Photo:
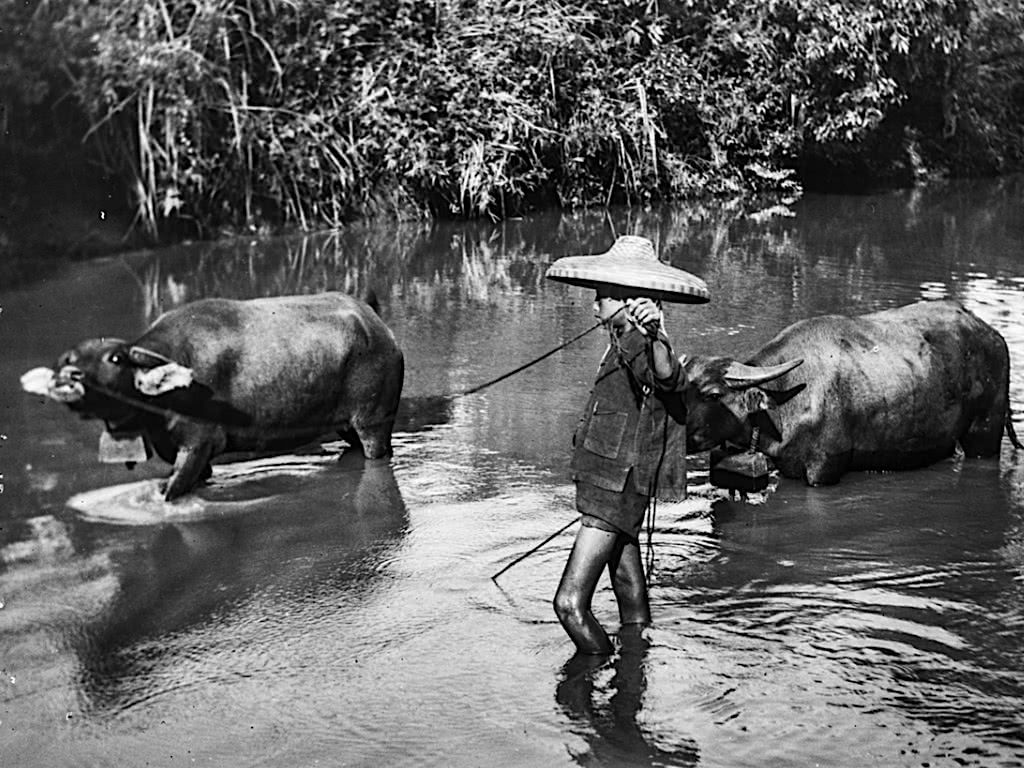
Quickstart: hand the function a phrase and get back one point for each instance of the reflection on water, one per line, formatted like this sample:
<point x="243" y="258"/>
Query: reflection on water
<point x="214" y="576"/>
<point x="608" y="715"/>
<point x="884" y="599"/>
<point x="348" y="615"/>
<point x="851" y="257"/>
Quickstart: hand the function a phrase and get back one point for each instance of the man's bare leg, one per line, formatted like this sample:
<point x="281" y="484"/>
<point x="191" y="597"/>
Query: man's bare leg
<point x="629" y="583"/>
<point x="592" y="550"/>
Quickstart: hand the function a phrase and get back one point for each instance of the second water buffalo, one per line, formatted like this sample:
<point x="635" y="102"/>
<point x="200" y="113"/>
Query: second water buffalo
<point x="895" y="389"/>
<point x="219" y="376"/>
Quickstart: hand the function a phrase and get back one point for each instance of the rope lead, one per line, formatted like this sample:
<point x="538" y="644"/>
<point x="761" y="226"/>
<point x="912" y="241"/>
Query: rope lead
<point x="559" y="348"/>
<point x="240" y="429"/>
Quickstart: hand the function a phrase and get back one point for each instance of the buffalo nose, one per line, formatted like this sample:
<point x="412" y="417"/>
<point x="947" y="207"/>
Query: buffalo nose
<point x="70" y="373"/>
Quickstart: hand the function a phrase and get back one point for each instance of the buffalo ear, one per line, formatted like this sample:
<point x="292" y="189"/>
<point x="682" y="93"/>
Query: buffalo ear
<point x="784" y="396"/>
<point x="162" y="379"/>
<point x="741" y="376"/>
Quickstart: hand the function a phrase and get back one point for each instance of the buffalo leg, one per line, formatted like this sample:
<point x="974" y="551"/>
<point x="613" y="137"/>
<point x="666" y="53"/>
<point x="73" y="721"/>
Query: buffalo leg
<point x="826" y="469"/>
<point x="163" y="446"/>
<point x="191" y="467"/>
<point x="983" y="437"/>
<point x="375" y="439"/>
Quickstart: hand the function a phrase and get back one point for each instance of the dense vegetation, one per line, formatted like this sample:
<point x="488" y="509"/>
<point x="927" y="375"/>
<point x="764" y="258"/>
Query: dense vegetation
<point x="240" y="113"/>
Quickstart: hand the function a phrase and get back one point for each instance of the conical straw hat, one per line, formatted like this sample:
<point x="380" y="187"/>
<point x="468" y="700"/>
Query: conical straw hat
<point x="631" y="263"/>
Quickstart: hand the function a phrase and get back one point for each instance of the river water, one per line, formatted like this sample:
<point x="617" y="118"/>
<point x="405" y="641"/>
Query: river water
<point x="308" y="611"/>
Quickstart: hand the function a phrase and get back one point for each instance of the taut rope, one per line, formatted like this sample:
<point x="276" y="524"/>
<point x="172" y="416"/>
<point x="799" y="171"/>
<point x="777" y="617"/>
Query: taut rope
<point x="238" y="429"/>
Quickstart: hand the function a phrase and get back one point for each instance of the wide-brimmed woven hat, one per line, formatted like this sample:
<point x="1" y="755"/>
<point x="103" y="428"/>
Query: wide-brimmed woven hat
<point x="631" y="263"/>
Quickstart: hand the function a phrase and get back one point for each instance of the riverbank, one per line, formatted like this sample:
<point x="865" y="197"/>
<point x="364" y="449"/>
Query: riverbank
<point x="310" y="116"/>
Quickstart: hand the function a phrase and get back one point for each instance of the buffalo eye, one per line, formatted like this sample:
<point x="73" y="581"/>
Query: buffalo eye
<point x="115" y="358"/>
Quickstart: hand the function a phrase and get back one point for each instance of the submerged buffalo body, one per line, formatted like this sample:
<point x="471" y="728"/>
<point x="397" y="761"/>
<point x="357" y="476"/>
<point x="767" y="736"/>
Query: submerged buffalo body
<point x="895" y="389"/>
<point x="219" y="376"/>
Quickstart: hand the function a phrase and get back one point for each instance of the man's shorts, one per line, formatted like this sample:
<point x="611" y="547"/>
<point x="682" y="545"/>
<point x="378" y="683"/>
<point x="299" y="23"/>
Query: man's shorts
<point x="615" y="511"/>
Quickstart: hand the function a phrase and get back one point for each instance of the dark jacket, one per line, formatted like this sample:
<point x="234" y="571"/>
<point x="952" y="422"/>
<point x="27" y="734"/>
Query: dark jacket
<point x="633" y="422"/>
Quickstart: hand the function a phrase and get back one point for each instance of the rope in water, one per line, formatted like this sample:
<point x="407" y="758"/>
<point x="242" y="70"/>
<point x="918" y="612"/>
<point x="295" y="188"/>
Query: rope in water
<point x="533" y="549"/>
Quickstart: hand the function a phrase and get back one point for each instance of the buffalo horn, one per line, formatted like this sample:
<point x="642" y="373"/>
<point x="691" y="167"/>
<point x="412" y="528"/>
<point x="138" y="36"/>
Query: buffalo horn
<point x="741" y="376"/>
<point x="147" y="358"/>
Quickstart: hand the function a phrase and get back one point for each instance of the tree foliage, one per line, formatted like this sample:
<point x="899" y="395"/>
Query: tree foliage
<point x="243" y="112"/>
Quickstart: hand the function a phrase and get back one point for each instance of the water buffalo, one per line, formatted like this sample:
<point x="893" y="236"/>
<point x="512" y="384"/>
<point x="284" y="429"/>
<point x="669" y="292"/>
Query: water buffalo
<point x="220" y="376"/>
<point x="895" y="389"/>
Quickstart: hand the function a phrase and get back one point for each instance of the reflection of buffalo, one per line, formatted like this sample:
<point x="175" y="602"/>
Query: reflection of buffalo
<point x="895" y="389"/>
<point x="221" y="376"/>
<point x="307" y="547"/>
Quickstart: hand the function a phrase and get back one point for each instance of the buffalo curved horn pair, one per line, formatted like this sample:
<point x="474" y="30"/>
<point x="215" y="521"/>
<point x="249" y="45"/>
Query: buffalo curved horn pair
<point x="742" y="376"/>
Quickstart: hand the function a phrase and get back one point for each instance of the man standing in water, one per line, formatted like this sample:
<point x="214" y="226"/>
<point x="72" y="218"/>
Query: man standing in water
<point x="630" y="445"/>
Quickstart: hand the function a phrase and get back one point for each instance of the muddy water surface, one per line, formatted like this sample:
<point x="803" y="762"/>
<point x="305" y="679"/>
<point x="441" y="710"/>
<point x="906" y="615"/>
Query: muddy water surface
<point x="320" y="612"/>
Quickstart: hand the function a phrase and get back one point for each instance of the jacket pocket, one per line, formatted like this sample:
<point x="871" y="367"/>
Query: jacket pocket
<point x="604" y="435"/>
